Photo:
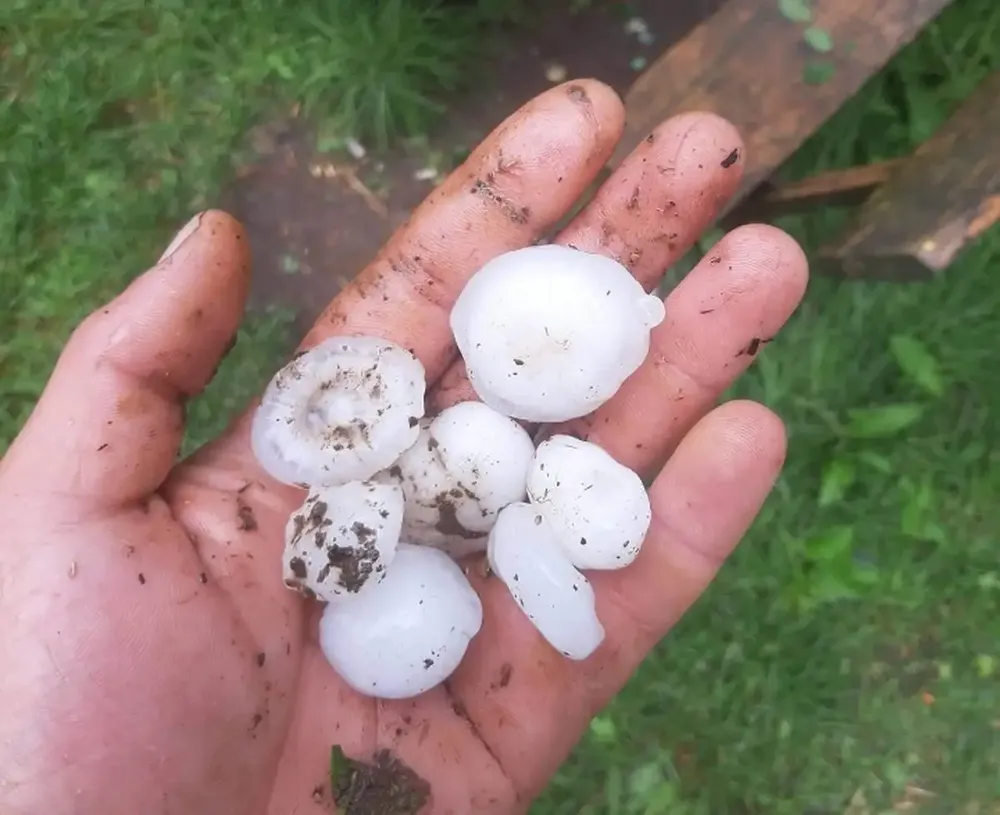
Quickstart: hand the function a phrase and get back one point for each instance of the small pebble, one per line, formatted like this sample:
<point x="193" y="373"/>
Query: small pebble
<point x="356" y="149"/>
<point x="556" y="73"/>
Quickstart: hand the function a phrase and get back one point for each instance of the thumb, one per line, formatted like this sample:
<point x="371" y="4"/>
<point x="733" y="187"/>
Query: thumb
<point x="110" y="421"/>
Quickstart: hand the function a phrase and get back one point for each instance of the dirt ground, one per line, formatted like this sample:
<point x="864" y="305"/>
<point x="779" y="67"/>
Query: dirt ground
<point x="314" y="224"/>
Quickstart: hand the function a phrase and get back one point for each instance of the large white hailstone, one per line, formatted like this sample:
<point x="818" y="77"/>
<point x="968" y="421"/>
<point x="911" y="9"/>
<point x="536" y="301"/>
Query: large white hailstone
<point x="549" y="333"/>
<point x="524" y="553"/>
<point x="340" y="542"/>
<point x="468" y="463"/>
<point x="598" y="508"/>
<point x="409" y="632"/>
<point x="339" y="412"/>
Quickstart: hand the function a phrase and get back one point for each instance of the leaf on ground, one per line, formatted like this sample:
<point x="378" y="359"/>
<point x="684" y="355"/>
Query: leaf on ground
<point x="830" y="543"/>
<point x="985" y="665"/>
<point x="838" y="476"/>
<point x="603" y="728"/>
<point x="818" y="39"/>
<point x="797" y="11"/>
<point x="917" y="363"/>
<point x="883" y="421"/>
<point x="817" y="73"/>
<point x="876" y="461"/>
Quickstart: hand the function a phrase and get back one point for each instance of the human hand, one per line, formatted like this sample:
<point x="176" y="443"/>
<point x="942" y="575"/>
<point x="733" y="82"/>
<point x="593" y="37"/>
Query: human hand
<point x="153" y="660"/>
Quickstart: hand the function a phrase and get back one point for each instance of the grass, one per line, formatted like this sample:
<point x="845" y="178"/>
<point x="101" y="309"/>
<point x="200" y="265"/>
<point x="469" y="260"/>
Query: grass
<point x="848" y="656"/>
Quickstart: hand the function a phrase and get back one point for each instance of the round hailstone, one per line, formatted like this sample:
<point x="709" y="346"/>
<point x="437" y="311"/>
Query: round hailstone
<point x="339" y="412"/>
<point x="549" y="333"/>
<point x="467" y="464"/>
<point x="409" y="632"/>
<point x="342" y="539"/>
<point x="599" y="509"/>
<point x="524" y="553"/>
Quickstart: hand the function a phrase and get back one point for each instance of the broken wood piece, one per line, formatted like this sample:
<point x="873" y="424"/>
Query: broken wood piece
<point x="846" y="187"/>
<point x="750" y="65"/>
<point x="941" y="199"/>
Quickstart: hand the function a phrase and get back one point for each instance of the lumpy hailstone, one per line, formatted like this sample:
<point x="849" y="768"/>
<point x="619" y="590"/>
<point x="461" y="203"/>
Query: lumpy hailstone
<point x="524" y="553"/>
<point x="467" y="464"/>
<point x="549" y="333"/>
<point x="340" y="542"/>
<point x="409" y="632"/>
<point x="339" y="412"/>
<point x="598" y="508"/>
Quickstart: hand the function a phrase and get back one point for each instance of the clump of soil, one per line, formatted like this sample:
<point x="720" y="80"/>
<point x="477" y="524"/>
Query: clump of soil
<point x="386" y="786"/>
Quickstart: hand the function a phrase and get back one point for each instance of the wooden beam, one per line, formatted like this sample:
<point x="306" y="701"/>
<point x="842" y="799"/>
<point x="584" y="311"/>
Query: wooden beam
<point x="833" y="188"/>
<point x="748" y="64"/>
<point x="942" y="198"/>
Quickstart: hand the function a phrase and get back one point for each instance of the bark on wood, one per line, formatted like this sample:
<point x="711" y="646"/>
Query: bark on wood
<point x="939" y="200"/>
<point x="747" y="63"/>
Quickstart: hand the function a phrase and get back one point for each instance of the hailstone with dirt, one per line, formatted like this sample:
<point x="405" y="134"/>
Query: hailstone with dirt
<point x="409" y="632"/>
<point x="339" y="412"/>
<point x="467" y="464"/>
<point x="342" y="539"/>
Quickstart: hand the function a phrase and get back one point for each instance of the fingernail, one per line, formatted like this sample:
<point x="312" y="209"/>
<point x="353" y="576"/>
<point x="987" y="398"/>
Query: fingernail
<point x="186" y="232"/>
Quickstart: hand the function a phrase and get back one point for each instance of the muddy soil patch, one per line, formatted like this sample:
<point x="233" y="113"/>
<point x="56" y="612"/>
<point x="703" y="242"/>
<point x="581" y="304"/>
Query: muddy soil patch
<point x="385" y="786"/>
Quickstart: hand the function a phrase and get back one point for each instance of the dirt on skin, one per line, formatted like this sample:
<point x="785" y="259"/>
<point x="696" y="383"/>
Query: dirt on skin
<point x="315" y="220"/>
<point x="386" y="786"/>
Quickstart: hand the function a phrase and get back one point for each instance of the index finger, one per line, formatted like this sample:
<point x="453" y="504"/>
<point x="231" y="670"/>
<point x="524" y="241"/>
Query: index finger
<point x="512" y="189"/>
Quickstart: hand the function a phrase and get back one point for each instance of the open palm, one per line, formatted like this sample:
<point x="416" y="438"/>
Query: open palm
<point x="153" y="661"/>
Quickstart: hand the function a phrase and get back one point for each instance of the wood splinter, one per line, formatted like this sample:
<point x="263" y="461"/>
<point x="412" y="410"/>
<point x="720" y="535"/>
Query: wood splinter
<point x="846" y="187"/>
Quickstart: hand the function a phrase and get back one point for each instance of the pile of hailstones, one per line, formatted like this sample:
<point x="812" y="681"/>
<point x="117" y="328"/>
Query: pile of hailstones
<point x="548" y="334"/>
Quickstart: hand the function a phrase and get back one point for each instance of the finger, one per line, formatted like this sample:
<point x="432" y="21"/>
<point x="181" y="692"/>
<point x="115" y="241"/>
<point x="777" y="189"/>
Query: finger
<point x="650" y="211"/>
<point x="109" y="423"/>
<point x="718" y="319"/>
<point x="704" y="500"/>
<point x="530" y="703"/>
<point x="517" y="184"/>
<point x="662" y="197"/>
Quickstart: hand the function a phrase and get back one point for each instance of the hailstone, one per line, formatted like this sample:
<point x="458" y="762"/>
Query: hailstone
<point x="342" y="539"/>
<point x="409" y="632"/>
<point x="468" y="463"/>
<point x="339" y="412"/>
<point x="524" y="553"/>
<point x="598" y="508"/>
<point x="549" y="333"/>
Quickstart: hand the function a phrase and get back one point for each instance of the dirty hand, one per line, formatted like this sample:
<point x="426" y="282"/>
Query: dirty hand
<point x="154" y="662"/>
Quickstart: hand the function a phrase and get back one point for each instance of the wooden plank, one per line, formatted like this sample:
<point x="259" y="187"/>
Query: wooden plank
<point x="834" y="188"/>
<point x="941" y="199"/>
<point x="748" y="63"/>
